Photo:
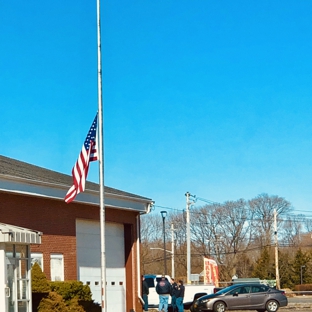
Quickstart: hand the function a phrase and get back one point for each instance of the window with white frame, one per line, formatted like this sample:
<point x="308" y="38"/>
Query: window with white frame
<point x="57" y="267"/>
<point x="37" y="257"/>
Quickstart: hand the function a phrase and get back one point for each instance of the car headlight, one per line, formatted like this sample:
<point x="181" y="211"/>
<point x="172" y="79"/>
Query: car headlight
<point x="204" y="300"/>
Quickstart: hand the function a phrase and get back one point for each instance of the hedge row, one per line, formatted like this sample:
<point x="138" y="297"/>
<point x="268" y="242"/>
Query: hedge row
<point x="69" y="296"/>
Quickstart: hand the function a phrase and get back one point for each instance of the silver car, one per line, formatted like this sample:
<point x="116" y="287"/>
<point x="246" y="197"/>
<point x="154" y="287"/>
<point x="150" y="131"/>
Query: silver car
<point x="242" y="297"/>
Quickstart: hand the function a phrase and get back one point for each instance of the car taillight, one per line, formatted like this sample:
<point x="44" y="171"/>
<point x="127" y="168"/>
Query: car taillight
<point x="283" y="293"/>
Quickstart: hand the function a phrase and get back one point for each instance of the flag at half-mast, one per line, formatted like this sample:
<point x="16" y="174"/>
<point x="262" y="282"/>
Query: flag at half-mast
<point x="80" y="170"/>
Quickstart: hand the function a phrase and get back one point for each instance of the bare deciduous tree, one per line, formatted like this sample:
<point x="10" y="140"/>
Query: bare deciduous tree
<point x="263" y="207"/>
<point x="234" y="233"/>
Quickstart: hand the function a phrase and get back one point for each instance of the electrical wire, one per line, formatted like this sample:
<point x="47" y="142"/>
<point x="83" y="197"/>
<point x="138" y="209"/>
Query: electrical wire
<point x="292" y="217"/>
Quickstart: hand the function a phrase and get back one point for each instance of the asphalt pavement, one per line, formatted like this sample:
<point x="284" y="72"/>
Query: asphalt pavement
<point x="297" y="303"/>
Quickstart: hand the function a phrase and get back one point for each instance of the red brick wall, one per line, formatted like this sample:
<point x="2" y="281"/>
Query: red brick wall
<point x="57" y="221"/>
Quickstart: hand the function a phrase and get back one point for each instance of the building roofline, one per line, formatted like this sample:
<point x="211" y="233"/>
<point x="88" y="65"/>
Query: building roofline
<point x="18" y="171"/>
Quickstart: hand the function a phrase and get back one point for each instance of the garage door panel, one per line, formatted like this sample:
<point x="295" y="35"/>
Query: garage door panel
<point x="88" y="227"/>
<point x="89" y="262"/>
<point x="91" y="241"/>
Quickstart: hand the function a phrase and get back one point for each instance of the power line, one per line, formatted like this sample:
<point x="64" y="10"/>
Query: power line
<point x="206" y="200"/>
<point x="292" y="217"/>
<point x="169" y="208"/>
<point x="158" y="259"/>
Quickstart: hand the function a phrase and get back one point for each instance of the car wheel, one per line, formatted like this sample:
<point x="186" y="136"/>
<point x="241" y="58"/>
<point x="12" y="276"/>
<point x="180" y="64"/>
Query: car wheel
<point x="219" y="306"/>
<point x="272" y="306"/>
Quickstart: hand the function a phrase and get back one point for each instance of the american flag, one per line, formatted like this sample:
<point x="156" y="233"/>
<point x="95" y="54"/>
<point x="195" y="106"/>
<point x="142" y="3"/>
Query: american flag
<point x="81" y="167"/>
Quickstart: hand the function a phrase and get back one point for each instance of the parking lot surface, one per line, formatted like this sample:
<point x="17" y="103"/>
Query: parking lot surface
<point x="298" y="304"/>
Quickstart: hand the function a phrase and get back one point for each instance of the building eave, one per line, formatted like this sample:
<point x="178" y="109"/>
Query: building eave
<point x="24" y="186"/>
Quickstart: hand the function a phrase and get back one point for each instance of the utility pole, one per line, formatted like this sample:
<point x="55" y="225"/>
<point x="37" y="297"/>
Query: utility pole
<point x="172" y="251"/>
<point x="188" y="235"/>
<point x="164" y="214"/>
<point x="278" y="286"/>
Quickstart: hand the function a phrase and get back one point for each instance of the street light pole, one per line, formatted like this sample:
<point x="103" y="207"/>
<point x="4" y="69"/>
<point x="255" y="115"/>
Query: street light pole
<point x="163" y="214"/>
<point x="172" y="251"/>
<point x="303" y="266"/>
<point x="188" y="236"/>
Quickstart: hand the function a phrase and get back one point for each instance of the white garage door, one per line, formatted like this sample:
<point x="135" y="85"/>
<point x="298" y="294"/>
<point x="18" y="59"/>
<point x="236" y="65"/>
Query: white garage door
<point x="89" y="261"/>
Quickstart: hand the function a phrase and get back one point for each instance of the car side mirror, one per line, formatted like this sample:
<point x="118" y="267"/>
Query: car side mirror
<point x="235" y="294"/>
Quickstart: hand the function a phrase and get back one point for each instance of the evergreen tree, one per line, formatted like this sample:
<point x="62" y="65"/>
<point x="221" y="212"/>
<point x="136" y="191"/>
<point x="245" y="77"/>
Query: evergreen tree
<point x="264" y="267"/>
<point x="39" y="282"/>
<point x="301" y="267"/>
<point x="284" y="263"/>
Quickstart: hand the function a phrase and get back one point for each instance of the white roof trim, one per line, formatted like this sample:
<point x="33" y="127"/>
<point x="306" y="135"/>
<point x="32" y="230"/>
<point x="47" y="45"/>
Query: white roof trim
<point x="57" y="191"/>
<point x="14" y="234"/>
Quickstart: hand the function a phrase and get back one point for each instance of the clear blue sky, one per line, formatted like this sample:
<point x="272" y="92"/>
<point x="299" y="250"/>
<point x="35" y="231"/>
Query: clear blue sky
<point x="210" y="97"/>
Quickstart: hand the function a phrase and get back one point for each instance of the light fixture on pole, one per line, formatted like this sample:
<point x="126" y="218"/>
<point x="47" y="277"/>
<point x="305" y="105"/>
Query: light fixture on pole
<point x="164" y="214"/>
<point x="303" y="266"/>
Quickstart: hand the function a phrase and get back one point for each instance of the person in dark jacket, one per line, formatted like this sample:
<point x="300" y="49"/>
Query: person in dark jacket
<point x="173" y="295"/>
<point x="180" y="295"/>
<point x="145" y="293"/>
<point x="163" y="289"/>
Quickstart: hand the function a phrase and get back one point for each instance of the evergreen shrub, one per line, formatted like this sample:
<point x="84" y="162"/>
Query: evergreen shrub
<point x="72" y="290"/>
<point x="75" y="292"/>
<point x="39" y="282"/>
<point x="68" y="296"/>
<point x="55" y="303"/>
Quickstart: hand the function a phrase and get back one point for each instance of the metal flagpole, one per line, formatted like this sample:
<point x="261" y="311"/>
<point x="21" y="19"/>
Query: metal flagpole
<point x="188" y="239"/>
<point x="101" y="164"/>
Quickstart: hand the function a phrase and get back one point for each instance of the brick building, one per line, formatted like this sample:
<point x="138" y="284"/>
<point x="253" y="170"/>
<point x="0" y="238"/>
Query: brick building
<point x="33" y="197"/>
